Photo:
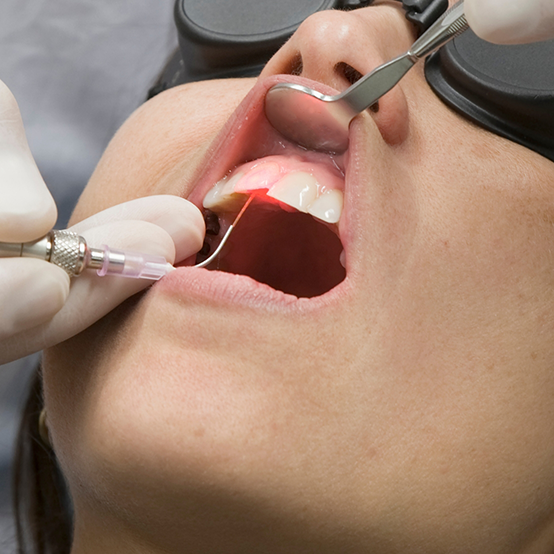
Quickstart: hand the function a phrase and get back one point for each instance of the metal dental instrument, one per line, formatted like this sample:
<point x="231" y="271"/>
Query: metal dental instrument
<point x="216" y="252"/>
<point x="70" y="251"/>
<point x="320" y="122"/>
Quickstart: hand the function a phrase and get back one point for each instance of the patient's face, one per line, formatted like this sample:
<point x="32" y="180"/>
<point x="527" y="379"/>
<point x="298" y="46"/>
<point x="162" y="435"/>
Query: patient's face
<point x="403" y="404"/>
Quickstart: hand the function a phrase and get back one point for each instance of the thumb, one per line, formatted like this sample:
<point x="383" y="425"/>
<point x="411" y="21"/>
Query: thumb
<point x="511" y="22"/>
<point x="27" y="209"/>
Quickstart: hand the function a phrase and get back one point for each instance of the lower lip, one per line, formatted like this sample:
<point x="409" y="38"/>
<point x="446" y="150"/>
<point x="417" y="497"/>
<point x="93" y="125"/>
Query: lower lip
<point x="220" y="289"/>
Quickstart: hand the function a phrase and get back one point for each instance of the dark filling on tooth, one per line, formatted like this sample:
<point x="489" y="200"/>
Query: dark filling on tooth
<point x="212" y="223"/>
<point x="211" y="220"/>
<point x="205" y="250"/>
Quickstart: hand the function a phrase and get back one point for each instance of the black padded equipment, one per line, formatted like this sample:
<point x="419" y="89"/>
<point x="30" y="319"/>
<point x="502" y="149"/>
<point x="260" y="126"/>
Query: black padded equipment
<point x="508" y="90"/>
<point x="236" y="38"/>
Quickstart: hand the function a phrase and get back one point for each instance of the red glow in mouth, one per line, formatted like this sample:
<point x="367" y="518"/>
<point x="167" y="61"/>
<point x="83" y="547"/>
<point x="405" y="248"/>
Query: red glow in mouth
<point x="272" y="245"/>
<point x="287" y="250"/>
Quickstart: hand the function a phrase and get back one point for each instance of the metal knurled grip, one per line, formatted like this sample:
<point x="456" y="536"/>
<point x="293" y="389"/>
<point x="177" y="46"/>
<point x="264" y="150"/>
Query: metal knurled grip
<point x="68" y="252"/>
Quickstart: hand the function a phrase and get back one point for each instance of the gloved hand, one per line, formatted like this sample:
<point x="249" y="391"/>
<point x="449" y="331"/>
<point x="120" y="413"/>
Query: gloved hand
<point x="511" y="21"/>
<point x="39" y="306"/>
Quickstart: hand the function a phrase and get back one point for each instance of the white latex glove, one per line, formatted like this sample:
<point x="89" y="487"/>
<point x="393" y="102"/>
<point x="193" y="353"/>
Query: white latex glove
<point x="39" y="307"/>
<point x="511" y="21"/>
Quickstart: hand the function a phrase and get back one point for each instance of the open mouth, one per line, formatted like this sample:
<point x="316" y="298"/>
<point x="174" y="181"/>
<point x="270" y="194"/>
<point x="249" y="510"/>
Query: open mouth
<point x="288" y="237"/>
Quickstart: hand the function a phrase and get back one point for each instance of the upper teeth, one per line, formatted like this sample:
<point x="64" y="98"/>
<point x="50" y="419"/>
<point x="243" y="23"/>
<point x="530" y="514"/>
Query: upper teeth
<point x="296" y="189"/>
<point x="296" y="183"/>
<point x="222" y="196"/>
<point x="327" y="206"/>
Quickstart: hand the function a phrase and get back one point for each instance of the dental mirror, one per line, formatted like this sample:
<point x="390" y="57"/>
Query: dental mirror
<point x="320" y="122"/>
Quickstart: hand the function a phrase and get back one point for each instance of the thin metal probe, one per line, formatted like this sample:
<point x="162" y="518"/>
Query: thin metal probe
<point x="209" y="260"/>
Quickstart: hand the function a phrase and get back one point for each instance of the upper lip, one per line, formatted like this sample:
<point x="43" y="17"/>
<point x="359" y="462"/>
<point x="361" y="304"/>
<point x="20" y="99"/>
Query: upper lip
<point x="246" y="136"/>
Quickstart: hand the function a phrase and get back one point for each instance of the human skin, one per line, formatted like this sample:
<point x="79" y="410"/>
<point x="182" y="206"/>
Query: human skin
<point x="408" y="410"/>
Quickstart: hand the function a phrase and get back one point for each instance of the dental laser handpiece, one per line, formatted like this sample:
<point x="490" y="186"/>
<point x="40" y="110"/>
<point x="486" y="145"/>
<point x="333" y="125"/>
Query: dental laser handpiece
<point x="71" y="252"/>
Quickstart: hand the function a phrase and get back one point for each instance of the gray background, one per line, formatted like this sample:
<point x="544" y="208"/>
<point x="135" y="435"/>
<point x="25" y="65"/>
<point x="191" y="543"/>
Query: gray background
<point x="78" y="68"/>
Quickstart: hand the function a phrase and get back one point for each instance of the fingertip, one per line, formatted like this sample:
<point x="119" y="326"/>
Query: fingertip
<point x="7" y="99"/>
<point x="183" y="221"/>
<point x="27" y="217"/>
<point x="502" y="22"/>
<point x="478" y="15"/>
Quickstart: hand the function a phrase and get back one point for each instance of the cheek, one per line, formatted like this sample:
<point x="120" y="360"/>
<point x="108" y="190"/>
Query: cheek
<point x="481" y="201"/>
<point x="160" y="148"/>
<point x="427" y="404"/>
<point x="176" y="416"/>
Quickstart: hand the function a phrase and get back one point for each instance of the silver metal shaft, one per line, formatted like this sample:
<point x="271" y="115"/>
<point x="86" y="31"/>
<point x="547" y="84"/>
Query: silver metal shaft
<point x="65" y="249"/>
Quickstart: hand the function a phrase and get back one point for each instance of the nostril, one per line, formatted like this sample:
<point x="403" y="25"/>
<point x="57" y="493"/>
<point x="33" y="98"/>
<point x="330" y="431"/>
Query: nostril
<point x="296" y="65"/>
<point x="348" y="72"/>
<point x="352" y="75"/>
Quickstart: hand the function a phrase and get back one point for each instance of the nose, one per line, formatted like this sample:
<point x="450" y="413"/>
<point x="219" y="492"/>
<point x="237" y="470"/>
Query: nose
<point x="336" y="48"/>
